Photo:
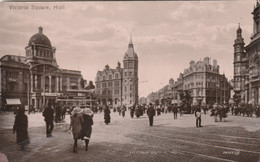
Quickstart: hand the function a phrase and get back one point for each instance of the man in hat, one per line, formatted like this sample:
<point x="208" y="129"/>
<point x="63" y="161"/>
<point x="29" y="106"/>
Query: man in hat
<point x="48" y="117"/>
<point x="151" y="113"/>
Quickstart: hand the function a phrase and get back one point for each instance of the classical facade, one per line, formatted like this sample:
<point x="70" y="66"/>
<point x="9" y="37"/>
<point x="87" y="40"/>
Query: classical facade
<point x="120" y="85"/>
<point x="247" y="69"/>
<point x="202" y="80"/>
<point x="35" y="79"/>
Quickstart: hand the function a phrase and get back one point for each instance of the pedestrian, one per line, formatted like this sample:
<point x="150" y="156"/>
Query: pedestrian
<point x="21" y="128"/>
<point x="76" y="122"/>
<point x="137" y="111"/>
<point x="180" y="110"/>
<point x="123" y="110"/>
<point x="158" y="110"/>
<point x="151" y="113"/>
<point x="57" y="113"/>
<point x="198" y="117"/>
<point x="132" y="111"/>
<point x="175" y="111"/>
<point x="107" y="115"/>
<point x="64" y="110"/>
<point x="48" y="117"/>
<point x="87" y="126"/>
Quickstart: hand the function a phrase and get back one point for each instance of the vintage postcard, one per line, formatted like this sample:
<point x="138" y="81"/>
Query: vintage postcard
<point x="130" y="80"/>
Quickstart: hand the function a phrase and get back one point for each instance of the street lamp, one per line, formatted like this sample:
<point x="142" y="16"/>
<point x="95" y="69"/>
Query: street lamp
<point x="217" y="86"/>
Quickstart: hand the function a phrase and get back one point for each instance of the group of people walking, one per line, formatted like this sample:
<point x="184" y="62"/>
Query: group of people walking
<point x="81" y="122"/>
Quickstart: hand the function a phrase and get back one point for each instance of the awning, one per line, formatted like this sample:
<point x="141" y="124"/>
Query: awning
<point x="13" y="101"/>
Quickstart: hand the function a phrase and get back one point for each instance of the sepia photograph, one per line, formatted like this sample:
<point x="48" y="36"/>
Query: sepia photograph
<point x="130" y="81"/>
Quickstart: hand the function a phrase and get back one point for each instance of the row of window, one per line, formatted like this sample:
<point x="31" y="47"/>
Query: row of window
<point x="110" y="77"/>
<point x="12" y="74"/>
<point x="199" y="76"/>
<point x="109" y="84"/>
<point x="40" y="53"/>
<point x="128" y="64"/>
<point x="200" y="84"/>
<point x="109" y="92"/>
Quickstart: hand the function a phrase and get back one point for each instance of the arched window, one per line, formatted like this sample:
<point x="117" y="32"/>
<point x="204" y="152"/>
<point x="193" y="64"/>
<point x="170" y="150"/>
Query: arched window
<point x="116" y="75"/>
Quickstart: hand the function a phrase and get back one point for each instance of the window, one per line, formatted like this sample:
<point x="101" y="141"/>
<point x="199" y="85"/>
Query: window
<point x="98" y="85"/>
<point x="104" y="77"/>
<point x="116" y="83"/>
<point x="125" y="89"/>
<point x="116" y="75"/>
<point x="104" y="85"/>
<point x="12" y="86"/>
<point x="110" y="77"/>
<point x="130" y="65"/>
<point x="130" y="73"/>
<point x="110" y="84"/>
<point x="131" y="87"/>
<point x="116" y="91"/>
<point x="125" y="64"/>
<point x="125" y="73"/>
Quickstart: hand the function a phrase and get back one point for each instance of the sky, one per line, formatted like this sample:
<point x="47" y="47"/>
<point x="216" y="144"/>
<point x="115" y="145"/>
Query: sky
<point x="166" y="35"/>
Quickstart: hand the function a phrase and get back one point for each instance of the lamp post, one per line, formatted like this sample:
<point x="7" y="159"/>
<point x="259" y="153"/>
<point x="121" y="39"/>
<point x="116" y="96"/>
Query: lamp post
<point x="217" y="86"/>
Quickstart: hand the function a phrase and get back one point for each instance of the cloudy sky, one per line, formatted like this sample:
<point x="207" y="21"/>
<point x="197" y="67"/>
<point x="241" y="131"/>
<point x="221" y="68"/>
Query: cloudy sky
<point x="166" y="35"/>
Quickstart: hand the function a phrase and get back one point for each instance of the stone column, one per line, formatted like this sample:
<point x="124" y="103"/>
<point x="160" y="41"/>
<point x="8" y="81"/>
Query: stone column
<point x="49" y="84"/>
<point x="57" y="84"/>
<point x="79" y="83"/>
<point x="35" y="83"/>
<point x="258" y="95"/>
<point x="60" y="83"/>
<point x="31" y="82"/>
<point x="68" y="83"/>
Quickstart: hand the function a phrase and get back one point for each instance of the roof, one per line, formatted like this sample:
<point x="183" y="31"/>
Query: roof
<point x="130" y="53"/>
<point x="39" y="39"/>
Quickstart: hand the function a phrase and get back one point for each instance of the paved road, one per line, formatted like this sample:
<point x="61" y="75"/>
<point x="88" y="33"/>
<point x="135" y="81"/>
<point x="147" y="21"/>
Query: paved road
<point x="126" y="139"/>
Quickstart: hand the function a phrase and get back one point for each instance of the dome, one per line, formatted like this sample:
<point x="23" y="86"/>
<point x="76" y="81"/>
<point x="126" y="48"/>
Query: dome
<point x="39" y="38"/>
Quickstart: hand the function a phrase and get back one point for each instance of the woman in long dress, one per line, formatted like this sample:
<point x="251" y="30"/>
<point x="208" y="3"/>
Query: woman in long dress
<point x="87" y="125"/>
<point x="107" y="115"/>
<point x="76" y="122"/>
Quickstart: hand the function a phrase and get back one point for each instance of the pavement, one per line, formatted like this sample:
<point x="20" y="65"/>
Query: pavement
<point x="237" y="138"/>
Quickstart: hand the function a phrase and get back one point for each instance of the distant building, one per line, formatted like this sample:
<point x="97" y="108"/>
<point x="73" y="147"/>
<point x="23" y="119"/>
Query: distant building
<point x="35" y="79"/>
<point x="247" y="64"/>
<point x="119" y="86"/>
<point x="205" y="83"/>
<point x="202" y="80"/>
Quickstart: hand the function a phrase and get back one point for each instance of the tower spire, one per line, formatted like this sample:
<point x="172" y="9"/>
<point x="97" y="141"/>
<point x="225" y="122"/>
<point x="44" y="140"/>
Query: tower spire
<point x="131" y="41"/>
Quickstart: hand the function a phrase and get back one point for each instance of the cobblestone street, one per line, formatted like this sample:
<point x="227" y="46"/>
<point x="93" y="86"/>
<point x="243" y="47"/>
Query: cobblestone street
<point x="126" y="139"/>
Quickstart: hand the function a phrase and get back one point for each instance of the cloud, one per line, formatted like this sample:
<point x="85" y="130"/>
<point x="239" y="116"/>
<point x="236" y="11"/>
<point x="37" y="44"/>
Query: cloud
<point x="166" y="35"/>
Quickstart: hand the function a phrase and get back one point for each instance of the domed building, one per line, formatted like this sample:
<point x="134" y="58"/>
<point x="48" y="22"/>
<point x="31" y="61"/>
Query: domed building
<point x="35" y="79"/>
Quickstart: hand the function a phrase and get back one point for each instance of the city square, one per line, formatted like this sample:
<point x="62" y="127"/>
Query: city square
<point x="130" y="81"/>
<point x="127" y="139"/>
